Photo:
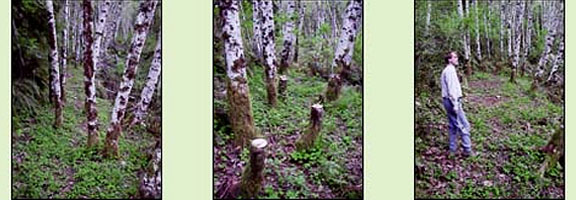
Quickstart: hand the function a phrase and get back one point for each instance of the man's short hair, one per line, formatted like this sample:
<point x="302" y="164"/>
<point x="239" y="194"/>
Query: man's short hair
<point x="448" y="56"/>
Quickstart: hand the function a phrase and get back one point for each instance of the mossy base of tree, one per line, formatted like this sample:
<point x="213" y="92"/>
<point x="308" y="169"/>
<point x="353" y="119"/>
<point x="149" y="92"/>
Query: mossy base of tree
<point x="240" y="110"/>
<point x="111" y="146"/>
<point x="334" y="86"/>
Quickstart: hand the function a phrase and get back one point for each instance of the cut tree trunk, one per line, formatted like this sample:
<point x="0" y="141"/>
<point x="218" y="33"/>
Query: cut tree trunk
<point x="253" y="175"/>
<point x="141" y="28"/>
<point x="308" y="138"/>
<point x="54" y="68"/>
<point x="238" y="92"/>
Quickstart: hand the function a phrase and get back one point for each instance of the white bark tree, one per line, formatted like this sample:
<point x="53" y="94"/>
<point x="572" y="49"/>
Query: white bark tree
<point x="65" y="41"/>
<point x="502" y="22"/>
<point x="54" y="68"/>
<point x="519" y="12"/>
<point x="269" y="51"/>
<point x="238" y="92"/>
<point x="109" y="28"/>
<point x="257" y="29"/>
<point x="464" y="35"/>
<point x="141" y="28"/>
<point x="343" y="53"/>
<point x="89" y="75"/>
<point x="150" y="87"/>
<point x="289" y="38"/>
<point x="478" y="48"/>
<point x="428" y="14"/>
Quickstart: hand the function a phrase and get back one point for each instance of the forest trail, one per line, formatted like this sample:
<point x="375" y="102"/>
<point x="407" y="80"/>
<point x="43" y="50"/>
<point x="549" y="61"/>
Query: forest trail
<point x="508" y="124"/>
<point x="55" y="163"/>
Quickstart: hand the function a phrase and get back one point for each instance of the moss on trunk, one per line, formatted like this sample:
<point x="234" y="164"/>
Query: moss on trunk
<point x="240" y="112"/>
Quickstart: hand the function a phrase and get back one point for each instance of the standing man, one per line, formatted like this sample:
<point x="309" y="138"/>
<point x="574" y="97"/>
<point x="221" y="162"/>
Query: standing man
<point x="452" y="95"/>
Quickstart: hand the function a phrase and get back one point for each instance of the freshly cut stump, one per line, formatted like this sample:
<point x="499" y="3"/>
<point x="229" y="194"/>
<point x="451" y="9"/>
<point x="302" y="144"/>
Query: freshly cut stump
<point x="253" y="176"/>
<point x="309" y="137"/>
<point x="282" y="86"/>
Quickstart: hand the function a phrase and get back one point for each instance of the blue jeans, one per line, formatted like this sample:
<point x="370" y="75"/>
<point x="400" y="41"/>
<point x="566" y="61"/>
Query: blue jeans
<point x="457" y="125"/>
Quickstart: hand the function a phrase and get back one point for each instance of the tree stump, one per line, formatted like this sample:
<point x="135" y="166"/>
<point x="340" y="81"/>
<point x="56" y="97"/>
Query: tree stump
<point x="253" y="176"/>
<point x="333" y="89"/>
<point x="309" y="137"/>
<point x="282" y="86"/>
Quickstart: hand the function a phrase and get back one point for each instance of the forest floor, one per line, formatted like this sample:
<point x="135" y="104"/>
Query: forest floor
<point x="55" y="163"/>
<point x="333" y="169"/>
<point x="508" y="125"/>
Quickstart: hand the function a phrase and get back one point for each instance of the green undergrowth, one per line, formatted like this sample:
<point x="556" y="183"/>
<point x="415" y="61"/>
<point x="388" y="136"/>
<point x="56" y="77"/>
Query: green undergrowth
<point x="508" y="125"/>
<point x="302" y="174"/>
<point x="55" y="163"/>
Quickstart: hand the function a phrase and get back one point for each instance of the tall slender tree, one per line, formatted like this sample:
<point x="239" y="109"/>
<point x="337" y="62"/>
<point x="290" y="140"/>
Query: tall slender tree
<point x="301" y="11"/>
<point x="549" y="24"/>
<point x="89" y="75"/>
<point x="238" y="92"/>
<point x="109" y="28"/>
<point x="517" y="38"/>
<point x="141" y="28"/>
<point x="257" y="29"/>
<point x="269" y="52"/>
<point x="289" y="37"/>
<point x="54" y="68"/>
<point x="150" y="87"/>
<point x="65" y="41"/>
<point x="478" y="47"/>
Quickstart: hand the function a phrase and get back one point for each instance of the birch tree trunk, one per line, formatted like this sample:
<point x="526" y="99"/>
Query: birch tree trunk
<point x="288" y="33"/>
<point x="64" y="51"/>
<point x="269" y="51"/>
<point x="150" y="87"/>
<point x="558" y="26"/>
<point x="342" y="57"/>
<point x="557" y="59"/>
<point x="478" y="48"/>
<point x="517" y="38"/>
<point x="99" y="32"/>
<point x="54" y="68"/>
<point x="502" y="21"/>
<point x="548" y="24"/>
<point x="109" y="28"/>
<point x="465" y="35"/>
<point x="89" y="75"/>
<point x="527" y="36"/>
<point x="257" y="29"/>
<point x="510" y="12"/>
<point x="428" y="13"/>
<point x="141" y="28"/>
<point x="301" y="10"/>
<point x="487" y="29"/>
<point x="238" y="92"/>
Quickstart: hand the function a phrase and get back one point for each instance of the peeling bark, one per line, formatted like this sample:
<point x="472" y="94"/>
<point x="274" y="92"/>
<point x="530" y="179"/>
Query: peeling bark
<point x="253" y="175"/>
<point x="150" y="87"/>
<point x="141" y="28"/>
<point x="269" y="51"/>
<point x="54" y="68"/>
<point x="308" y="138"/>
<point x="238" y="92"/>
